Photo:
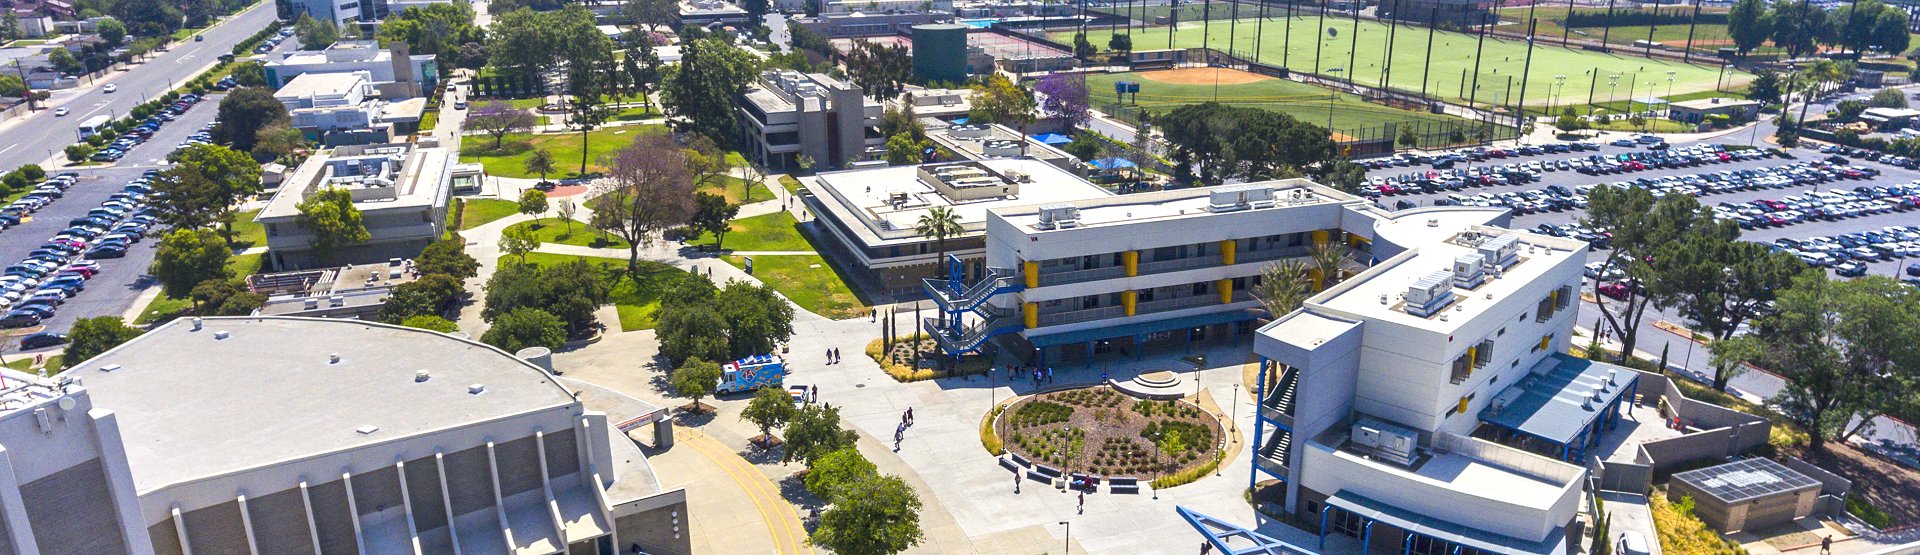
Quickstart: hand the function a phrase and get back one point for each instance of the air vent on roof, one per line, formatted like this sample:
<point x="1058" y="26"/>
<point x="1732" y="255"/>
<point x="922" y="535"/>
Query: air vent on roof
<point x="1058" y="216"/>
<point x="310" y="303"/>
<point x="110" y="368"/>
<point x="333" y="358"/>
<point x="1430" y="294"/>
<point x="476" y="389"/>
<point x="367" y="429"/>
<point x="421" y="376"/>
<point x="222" y="334"/>
<point x="196" y="323"/>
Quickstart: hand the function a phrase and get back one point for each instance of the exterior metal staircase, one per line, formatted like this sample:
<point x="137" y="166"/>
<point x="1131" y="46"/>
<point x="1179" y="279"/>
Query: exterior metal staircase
<point x="951" y="328"/>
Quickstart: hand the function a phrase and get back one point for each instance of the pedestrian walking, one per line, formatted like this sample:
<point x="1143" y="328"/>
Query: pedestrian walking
<point x="909" y="416"/>
<point x="816" y="394"/>
<point x="1826" y="545"/>
<point x="1016" y="482"/>
<point x="1206" y="547"/>
<point x="1082" y="509"/>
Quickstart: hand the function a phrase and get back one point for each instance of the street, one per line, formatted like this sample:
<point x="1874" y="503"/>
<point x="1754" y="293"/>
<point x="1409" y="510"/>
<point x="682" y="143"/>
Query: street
<point x="36" y="137"/>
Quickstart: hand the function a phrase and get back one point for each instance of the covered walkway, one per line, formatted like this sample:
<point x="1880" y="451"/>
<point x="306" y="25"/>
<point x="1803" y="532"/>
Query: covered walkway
<point x="1567" y="402"/>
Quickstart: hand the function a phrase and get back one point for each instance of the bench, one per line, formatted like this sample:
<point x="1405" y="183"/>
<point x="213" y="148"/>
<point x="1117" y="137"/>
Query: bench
<point x="1019" y="460"/>
<point x="1010" y="464"/>
<point x="1123" y="484"/>
<point x="1086" y="482"/>
<point x="1043" y="473"/>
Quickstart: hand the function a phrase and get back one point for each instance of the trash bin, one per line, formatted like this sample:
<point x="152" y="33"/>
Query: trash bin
<point x="663" y="433"/>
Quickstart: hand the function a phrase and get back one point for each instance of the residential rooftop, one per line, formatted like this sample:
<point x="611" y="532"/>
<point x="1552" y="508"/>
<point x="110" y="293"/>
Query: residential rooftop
<point x="880" y="205"/>
<point x="240" y="393"/>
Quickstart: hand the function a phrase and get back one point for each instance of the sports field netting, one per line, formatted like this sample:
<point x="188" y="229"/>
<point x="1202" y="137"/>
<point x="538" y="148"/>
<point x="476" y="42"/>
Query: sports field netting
<point x="1348" y="114"/>
<point x="1443" y="68"/>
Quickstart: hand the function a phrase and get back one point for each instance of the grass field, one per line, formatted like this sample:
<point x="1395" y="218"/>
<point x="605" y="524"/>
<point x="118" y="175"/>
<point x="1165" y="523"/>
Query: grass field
<point x="477" y="212"/>
<point x="777" y="231"/>
<point x="636" y="299"/>
<point x="556" y="230"/>
<point x="1449" y="60"/>
<point x="246" y="232"/>
<point x="510" y="160"/>
<point x="1305" y="102"/>
<point x="809" y="281"/>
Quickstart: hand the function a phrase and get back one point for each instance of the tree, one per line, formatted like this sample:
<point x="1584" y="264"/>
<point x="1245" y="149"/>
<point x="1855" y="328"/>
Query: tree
<point x="279" y="142"/>
<point x="1855" y="26"/>
<point x="652" y="13"/>
<point x="1327" y="258"/>
<point x="224" y="297"/>
<point x="707" y="163"/>
<point x="1000" y="100"/>
<point x="587" y="111"/>
<point x="651" y="192"/>
<point x="112" y="31"/>
<point x="429" y="295"/>
<point x="187" y="257"/>
<point x="78" y="152"/>
<point x="1569" y="124"/>
<point x="1890" y="31"/>
<point x="204" y="186"/>
<point x="517" y="242"/>
<point x="449" y="258"/>
<point x="533" y="202"/>
<point x="1282" y="287"/>
<point x="770" y="408"/>
<point x="939" y="224"/>
<point x="1718" y="284"/>
<point x="1845" y="349"/>
<point x="814" y="432"/>
<point x="882" y="71"/>
<point x="1120" y="43"/>
<point x="315" y="34"/>
<point x="62" y="59"/>
<point x="12" y="86"/>
<point x="332" y="222"/>
<point x="1226" y="141"/>
<point x="1083" y="48"/>
<point x="566" y="209"/>
<point x="1748" y="25"/>
<point x="541" y="162"/>
<point x="876" y="516"/>
<point x="498" y="118"/>
<point x="1084" y="146"/>
<point x="90" y="337"/>
<point x="696" y="379"/>
<point x="712" y="214"/>
<point x="1849" y="110"/>
<point x="1345" y="176"/>
<point x="571" y="291"/>
<point x="439" y="29"/>
<point x="700" y="91"/>
<point x="1797" y="26"/>
<point x="902" y="150"/>
<point x="249" y="74"/>
<point x="431" y="323"/>
<point x="691" y="331"/>
<point x="758" y="319"/>
<point x="146" y="18"/>
<point x="832" y="473"/>
<point x="1767" y="87"/>
<point x="1065" y="97"/>
<point x="1642" y="228"/>
<point x="902" y="121"/>
<point x="244" y="112"/>
<point x="526" y="327"/>
<point x="1888" y="98"/>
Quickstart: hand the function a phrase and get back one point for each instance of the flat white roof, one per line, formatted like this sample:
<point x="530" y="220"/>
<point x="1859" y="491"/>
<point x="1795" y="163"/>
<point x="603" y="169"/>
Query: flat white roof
<point x="313" y="84"/>
<point x="860" y="197"/>
<point x="1179" y="203"/>
<point x="191" y="405"/>
<point x="1435" y="248"/>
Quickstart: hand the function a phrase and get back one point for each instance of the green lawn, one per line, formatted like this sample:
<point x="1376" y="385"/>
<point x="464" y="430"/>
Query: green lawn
<point x="477" y="212"/>
<point x="246" y="232"/>
<point x="528" y="103"/>
<point x="26" y="42"/>
<point x="809" y="281"/>
<point x="792" y="185"/>
<point x="636" y="113"/>
<point x="23" y="362"/>
<point x="243" y="265"/>
<point x="777" y="231"/>
<point x="554" y="230"/>
<point x="162" y="309"/>
<point x="1450" y="59"/>
<point x="184" y="34"/>
<point x="730" y="187"/>
<point x="1302" y="101"/>
<point x="636" y="299"/>
<point x="510" y="159"/>
<point x="429" y="120"/>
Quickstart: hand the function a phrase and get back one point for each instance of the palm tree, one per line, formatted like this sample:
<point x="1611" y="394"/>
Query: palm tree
<point x="1327" y="257"/>
<point x="1283" y="287"/>
<point x="939" y="223"/>
<point x="540" y="162"/>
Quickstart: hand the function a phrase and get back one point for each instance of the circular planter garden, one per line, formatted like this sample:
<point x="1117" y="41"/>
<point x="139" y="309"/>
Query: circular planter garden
<point x="1100" y="431"/>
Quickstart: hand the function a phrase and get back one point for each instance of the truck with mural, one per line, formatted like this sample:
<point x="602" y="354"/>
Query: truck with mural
<point x="751" y="373"/>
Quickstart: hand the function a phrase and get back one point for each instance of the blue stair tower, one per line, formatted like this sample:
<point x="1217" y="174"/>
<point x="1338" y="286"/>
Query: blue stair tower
<point x="950" y="328"/>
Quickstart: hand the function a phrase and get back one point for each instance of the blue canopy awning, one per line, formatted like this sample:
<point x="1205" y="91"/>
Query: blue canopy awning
<point x="1053" y="139"/>
<point x="1114" y="164"/>
<point x="1556" y="400"/>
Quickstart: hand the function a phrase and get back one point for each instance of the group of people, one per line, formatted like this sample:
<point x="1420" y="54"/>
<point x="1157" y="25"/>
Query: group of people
<point x="833" y="355"/>
<point x="900" y="432"/>
<point x="1037" y="374"/>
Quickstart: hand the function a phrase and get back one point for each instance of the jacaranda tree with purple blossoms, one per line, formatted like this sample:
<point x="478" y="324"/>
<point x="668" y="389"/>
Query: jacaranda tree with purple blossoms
<point x="1065" y="96"/>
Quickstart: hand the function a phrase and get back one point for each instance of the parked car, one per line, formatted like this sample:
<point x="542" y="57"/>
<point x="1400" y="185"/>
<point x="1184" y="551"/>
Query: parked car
<point x="43" y="340"/>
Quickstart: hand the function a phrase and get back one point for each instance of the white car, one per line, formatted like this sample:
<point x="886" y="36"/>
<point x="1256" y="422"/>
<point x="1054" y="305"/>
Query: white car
<point x="60" y="112"/>
<point x="110" y="88"/>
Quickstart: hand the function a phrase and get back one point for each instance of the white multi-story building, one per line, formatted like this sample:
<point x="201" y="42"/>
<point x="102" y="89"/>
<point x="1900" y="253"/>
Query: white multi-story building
<point x="304" y="436"/>
<point x="1373" y="394"/>
<point x="401" y="190"/>
<point x="392" y="71"/>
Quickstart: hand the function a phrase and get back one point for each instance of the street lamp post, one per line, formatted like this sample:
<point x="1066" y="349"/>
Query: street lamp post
<point x="1157" y="468"/>
<point x="1068" y="548"/>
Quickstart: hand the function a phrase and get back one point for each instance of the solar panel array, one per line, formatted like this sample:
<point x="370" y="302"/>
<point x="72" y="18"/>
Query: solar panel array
<point x="1746" y="480"/>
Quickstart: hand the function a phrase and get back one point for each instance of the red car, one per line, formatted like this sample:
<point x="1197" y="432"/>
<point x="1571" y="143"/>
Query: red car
<point x="1616" y="291"/>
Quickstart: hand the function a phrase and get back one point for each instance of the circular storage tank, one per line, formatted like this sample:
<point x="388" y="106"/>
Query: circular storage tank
<point x="940" y="52"/>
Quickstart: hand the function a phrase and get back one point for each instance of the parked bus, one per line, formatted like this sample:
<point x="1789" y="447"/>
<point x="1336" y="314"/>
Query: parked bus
<point x="94" y="125"/>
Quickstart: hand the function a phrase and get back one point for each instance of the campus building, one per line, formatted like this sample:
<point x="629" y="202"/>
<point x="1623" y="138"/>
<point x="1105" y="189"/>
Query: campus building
<point x="787" y="114"/>
<point x="401" y="190"/>
<point x="392" y="71"/>
<point x="336" y="109"/>
<point x="1120" y="274"/>
<point x="304" y="436"/>
<point x="1426" y="405"/>
<point x="867" y="216"/>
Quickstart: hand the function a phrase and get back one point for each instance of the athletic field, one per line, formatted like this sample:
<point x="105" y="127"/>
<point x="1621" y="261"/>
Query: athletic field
<point x="1444" y="68"/>
<point x="1165" y="90"/>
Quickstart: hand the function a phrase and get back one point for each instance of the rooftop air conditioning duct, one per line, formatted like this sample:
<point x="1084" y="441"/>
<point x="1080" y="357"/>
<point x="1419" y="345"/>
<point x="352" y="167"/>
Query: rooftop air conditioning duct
<point x="1058" y="216"/>
<point x="1431" y="294"/>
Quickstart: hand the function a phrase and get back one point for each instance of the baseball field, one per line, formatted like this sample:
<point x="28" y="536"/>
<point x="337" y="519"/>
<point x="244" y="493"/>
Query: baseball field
<point x="1443" y="66"/>
<point x="1165" y="90"/>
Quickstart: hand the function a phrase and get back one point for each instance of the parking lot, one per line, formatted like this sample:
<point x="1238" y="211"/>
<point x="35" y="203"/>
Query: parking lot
<point x="120" y="281"/>
<point x="1807" y="227"/>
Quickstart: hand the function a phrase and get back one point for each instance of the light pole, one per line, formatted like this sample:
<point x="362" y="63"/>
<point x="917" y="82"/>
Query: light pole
<point x="1068" y="548"/>
<point x="1613" y="84"/>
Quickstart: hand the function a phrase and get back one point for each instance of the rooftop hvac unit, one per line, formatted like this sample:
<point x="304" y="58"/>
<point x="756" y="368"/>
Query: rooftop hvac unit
<point x="967" y="131"/>
<point x="1469" y="271"/>
<point x="1000" y="147"/>
<point x="1430" y="294"/>
<point x="1385" y="441"/>
<point x="310" y="303"/>
<point x="1058" y="216"/>
<point x="1501" y="252"/>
